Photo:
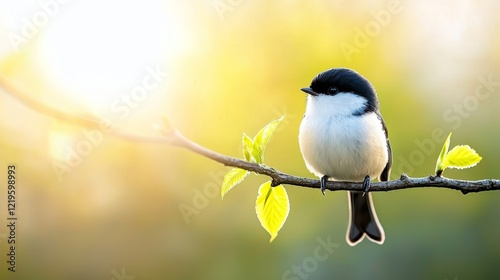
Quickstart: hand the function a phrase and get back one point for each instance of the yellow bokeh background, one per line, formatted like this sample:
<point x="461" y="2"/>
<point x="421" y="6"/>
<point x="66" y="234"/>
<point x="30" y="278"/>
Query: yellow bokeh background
<point x="91" y="205"/>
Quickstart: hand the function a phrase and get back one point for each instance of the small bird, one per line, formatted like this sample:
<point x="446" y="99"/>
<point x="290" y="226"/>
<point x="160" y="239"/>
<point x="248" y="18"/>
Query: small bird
<point x="343" y="137"/>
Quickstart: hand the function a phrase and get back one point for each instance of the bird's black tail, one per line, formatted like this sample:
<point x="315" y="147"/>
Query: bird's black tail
<point x="363" y="220"/>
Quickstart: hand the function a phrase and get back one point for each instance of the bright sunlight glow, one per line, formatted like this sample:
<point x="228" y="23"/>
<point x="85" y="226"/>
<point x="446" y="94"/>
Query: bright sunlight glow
<point x="95" y="58"/>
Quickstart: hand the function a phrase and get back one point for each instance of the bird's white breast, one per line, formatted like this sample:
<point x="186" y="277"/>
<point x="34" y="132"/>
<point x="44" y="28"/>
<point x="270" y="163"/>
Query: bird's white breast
<point x="336" y="143"/>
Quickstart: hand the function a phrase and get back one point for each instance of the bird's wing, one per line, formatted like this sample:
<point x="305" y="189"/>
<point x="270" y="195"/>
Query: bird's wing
<point x="387" y="170"/>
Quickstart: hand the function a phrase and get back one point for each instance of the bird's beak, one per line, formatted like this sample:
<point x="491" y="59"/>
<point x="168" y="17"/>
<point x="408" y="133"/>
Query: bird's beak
<point x="309" y="91"/>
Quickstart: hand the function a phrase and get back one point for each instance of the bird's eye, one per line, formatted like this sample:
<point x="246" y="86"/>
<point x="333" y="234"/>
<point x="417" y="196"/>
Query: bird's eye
<point x="332" y="90"/>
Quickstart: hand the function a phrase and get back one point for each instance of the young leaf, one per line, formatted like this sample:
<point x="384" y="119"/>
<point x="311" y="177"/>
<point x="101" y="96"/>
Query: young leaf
<point x="260" y="140"/>
<point x="460" y="157"/>
<point x="231" y="179"/>
<point x="440" y="160"/>
<point x="167" y="129"/>
<point x="272" y="207"/>
<point x="247" y="147"/>
<point x="167" y="125"/>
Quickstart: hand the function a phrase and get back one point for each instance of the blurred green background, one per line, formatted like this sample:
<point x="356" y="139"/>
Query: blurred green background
<point x="218" y="68"/>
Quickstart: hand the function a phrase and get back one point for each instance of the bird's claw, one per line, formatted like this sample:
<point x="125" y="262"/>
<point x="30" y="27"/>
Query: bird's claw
<point x="323" y="184"/>
<point x="366" y="185"/>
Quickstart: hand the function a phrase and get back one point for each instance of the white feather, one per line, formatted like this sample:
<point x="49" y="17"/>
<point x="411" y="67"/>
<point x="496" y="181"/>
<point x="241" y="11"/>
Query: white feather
<point x="336" y="143"/>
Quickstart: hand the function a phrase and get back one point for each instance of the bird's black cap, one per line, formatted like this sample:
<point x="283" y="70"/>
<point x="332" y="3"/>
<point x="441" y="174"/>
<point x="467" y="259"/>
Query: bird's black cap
<point x="335" y="80"/>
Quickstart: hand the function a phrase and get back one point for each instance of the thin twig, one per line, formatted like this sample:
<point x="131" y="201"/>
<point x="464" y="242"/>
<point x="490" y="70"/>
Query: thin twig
<point x="175" y="138"/>
<point x="280" y="178"/>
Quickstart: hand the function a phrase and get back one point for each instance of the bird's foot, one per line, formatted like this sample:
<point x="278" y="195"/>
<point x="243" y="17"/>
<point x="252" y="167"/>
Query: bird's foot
<point x="323" y="181"/>
<point x="366" y="185"/>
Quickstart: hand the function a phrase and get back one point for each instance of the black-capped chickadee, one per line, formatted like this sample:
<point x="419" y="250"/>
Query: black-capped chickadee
<point x="343" y="137"/>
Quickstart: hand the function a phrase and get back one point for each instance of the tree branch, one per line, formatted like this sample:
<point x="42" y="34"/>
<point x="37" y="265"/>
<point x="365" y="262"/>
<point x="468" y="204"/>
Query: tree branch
<point x="175" y="138"/>
<point x="280" y="178"/>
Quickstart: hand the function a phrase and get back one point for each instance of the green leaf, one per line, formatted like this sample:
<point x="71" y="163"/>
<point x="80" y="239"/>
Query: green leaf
<point x="231" y="179"/>
<point x="272" y="207"/>
<point x="260" y="140"/>
<point x="247" y="147"/>
<point x="440" y="160"/>
<point x="461" y="157"/>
